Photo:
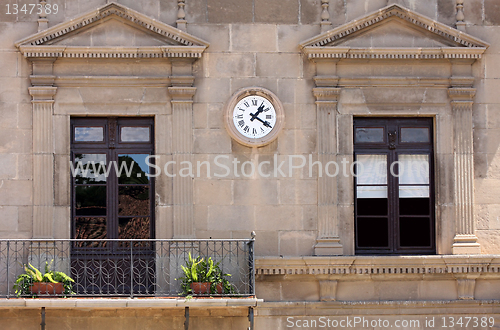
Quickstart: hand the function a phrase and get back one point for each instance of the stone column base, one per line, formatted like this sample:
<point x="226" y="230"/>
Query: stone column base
<point x="328" y="247"/>
<point x="466" y="244"/>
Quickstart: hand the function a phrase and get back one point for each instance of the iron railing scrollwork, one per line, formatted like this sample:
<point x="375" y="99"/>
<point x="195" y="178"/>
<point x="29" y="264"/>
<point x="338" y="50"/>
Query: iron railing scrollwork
<point x="127" y="268"/>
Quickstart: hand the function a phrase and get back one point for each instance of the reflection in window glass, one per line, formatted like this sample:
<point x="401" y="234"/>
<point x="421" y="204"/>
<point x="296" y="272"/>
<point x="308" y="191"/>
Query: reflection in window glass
<point x="371" y="169"/>
<point x="414" y="134"/>
<point x="134" y="168"/>
<point x="136" y="228"/>
<point x="89" y="134"/>
<point x="89" y="168"/>
<point x="133" y="200"/>
<point x="374" y="135"/>
<point x="135" y="134"/>
<point x="413" y="169"/>
<point x="90" y="200"/>
<point x="90" y="228"/>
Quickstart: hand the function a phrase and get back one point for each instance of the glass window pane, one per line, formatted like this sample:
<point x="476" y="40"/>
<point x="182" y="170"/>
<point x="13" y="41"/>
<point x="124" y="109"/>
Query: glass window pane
<point x="372" y="232"/>
<point x="371" y="169"/>
<point x="413" y="169"/>
<point x="89" y="168"/>
<point x="133" y="169"/>
<point x="371" y="206"/>
<point x="90" y="200"/>
<point x="366" y="135"/>
<point x="415" y="134"/>
<point x="134" y="228"/>
<point x="134" y="134"/>
<point x="133" y="200"/>
<point x="413" y="191"/>
<point x="90" y="228"/>
<point x="371" y="192"/>
<point x="414" y="232"/>
<point x="89" y="134"/>
<point x="414" y="206"/>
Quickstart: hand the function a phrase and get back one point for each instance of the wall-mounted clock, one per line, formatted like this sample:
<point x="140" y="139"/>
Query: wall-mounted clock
<point x="254" y="116"/>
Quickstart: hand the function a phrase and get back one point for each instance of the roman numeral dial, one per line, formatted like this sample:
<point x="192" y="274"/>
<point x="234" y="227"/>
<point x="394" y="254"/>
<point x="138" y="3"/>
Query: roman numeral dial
<point x="254" y="116"/>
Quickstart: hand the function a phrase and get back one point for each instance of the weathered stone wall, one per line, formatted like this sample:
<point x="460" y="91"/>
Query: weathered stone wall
<point x="251" y="43"/>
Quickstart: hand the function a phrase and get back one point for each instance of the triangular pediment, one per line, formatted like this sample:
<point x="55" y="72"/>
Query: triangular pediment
<point x="394" y="32"/>
<point x="112" y="31"/>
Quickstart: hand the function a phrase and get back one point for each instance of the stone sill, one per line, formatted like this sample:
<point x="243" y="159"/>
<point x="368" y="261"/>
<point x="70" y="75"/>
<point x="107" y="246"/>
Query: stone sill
<point x="484" y="265"/>
<point x="98" y="303"/>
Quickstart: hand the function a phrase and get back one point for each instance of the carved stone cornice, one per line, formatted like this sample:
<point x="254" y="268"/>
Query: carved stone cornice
<point x="354" y="266"/>
<point x="112" y="52"/>
<point x="327" y="44"/>
<point x="177" y="43"/>
<point x="133" y="17"/>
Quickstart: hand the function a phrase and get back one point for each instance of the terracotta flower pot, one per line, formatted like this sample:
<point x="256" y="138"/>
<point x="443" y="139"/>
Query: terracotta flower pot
<point x="200" y="287"/>
<point x="43" y="288"/>
<point x="219" y="288"/>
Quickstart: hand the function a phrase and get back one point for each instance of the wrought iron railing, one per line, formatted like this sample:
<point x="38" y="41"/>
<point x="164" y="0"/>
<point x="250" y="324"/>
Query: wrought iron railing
<point x="126" y="268"/>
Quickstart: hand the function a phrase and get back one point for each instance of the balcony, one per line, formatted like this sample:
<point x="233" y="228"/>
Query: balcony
<point x="127" y="268"/>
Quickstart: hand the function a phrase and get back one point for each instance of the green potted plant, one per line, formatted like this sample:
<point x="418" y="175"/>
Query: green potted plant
<point x="204" y="277"/>
<point x="33" y="283"/>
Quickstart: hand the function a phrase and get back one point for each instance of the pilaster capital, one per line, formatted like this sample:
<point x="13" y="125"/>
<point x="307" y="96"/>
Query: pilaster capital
<point x="328" y="95"/>
<point x="42" y="94"/>
<point x="182" y="94"/>
<point x="462" y="94"/>
<point x="462" y="98"/>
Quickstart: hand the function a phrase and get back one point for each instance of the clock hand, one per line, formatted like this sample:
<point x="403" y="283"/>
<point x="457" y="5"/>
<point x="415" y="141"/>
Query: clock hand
<point x="266" y="123"/>
<point x="259" y="110"/>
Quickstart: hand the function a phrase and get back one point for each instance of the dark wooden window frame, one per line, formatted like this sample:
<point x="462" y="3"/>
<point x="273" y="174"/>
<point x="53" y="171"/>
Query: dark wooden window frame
<point x="112" y="147"/>
<point x="393" y="147"/>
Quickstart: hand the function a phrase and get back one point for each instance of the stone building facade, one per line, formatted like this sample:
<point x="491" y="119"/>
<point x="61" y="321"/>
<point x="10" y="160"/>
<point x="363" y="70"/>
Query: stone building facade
<point x="339" y="69"/>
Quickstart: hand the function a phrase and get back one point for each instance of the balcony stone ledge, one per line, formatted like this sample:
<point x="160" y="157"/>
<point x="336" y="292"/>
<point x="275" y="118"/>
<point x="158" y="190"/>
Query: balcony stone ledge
<point x="114" y="303"/>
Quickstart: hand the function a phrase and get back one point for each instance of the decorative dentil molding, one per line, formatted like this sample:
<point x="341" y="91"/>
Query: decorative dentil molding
<point x="342" y="266"/>
<point x="324" y="44"/>
<point x="178" y="43"/>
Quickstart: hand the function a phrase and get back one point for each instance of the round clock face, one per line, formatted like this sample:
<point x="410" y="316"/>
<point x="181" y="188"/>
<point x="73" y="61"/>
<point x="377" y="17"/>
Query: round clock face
<point x="254" y="116"/>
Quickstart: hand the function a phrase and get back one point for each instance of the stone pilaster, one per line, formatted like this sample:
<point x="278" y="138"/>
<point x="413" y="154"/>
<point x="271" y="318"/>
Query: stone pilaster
<point x="43" y="161"/>
<point x="465" y="240"/>
<point x="182" y="148"/>
<point x="328" y="241"/>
